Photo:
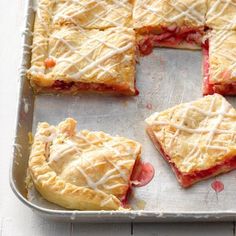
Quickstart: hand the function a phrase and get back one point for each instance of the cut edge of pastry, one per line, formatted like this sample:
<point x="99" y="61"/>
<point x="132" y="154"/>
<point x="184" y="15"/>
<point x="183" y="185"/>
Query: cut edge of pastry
<point x="74" y="88"/>
<point x="50" y="185"/>
<point x="210" y="86"/>
<point x="40" y="38"/>
<point x="170" y="37"/>
<point x="188" y="179"/>
<point x="69" y="17"/>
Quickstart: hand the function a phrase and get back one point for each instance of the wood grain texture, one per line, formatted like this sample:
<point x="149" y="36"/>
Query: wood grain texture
<point x="180" y="229"/>
<point x="84" y="229"/>
<point x="15" y="218"/>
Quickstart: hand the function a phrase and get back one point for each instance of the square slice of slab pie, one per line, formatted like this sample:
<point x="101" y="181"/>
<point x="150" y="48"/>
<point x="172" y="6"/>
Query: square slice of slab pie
<point x="70" y="60"/>
<point x="220" y="63"/>
<point x="169" y="23"/>
<point x="221" y="14"/>
<point x="82" y="170"/>
<point x="87" y="14"/>
<point x="93" y="14"/>
<point x="197" y="139"/>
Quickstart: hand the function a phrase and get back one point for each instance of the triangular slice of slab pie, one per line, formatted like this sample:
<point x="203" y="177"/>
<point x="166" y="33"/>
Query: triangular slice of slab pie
<point x="197" y="139"/>
<point x="82" y="170"/>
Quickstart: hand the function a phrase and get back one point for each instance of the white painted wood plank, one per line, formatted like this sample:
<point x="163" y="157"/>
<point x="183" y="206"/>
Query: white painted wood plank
<point x="184" y="229"/>
<point x="15" y="218"/>
<point x="84" y="229"/>
<point x="23" y="226"/>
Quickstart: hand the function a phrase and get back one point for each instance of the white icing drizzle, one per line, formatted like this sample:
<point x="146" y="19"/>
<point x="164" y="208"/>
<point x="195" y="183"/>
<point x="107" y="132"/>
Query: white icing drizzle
<point x="207" y="132"/>
<point x="180" y="9"/>
<point x="70" y="9"/>
<point x="217" y="10"/>
<point x="63" y="150"/>
<point x="196" y="151"/>
<point x="185" y="113"/>
<point x="74" y="50"/>
<point x="225" y="55"/>
<point x="42" y="37"/>
<point x="106" y="201"/>
<point x="189" y="130"/>
<point x="77" y="151"/>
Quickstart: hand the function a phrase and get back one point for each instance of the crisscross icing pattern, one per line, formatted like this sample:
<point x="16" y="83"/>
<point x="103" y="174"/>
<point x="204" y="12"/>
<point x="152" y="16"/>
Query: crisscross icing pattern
<point x="168" y="12"/>
<point x="222" y="54"/>
<point x="93" y="160"/>
<point x="91" y="14"/>
<point x="40" y="36"/>
<point x="221" y="14"/>
<point x="93" y="59"/>
<point x="92" y="56"/>
<point x="197" y="135"/>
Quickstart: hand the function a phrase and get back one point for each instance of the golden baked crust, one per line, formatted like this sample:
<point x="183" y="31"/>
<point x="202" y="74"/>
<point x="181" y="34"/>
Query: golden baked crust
<point x="93" y="14"/>
<point x="84" y="56"/>
<point x="84" y="170"/>
<point x="41" y="33"/>
<point x="165" y="13"/>
<point x="198" y="135"/>
<point x="222" y="55"/>
<point x="221" y="14"/>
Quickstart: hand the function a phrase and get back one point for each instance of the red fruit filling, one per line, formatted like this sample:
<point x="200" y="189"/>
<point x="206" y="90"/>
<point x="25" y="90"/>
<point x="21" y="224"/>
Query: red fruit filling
<point x="143" y="173"/>
<point x="188" y="179"/>
<point x="79" y="86"/>
<point x="171" y="37"/>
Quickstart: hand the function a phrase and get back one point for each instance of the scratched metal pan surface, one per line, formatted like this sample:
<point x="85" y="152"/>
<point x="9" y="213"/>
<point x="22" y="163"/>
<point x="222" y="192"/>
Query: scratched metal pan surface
<point x="165" y="78"/>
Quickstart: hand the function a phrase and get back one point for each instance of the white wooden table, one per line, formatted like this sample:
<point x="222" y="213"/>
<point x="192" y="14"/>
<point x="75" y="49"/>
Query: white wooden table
<point x="15" y="218"/>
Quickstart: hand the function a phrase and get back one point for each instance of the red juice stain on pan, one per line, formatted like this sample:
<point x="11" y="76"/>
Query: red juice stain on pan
<point x="218" y="186"/>
<point x="149" y="106"/>
<point x="143" y="174"/>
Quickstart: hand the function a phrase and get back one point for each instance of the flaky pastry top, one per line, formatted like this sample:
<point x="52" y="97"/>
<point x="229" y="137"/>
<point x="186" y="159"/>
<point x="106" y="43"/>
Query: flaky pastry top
<point x="196" y="135"/>
<point x="222" y="55"/>
<point x="82" y="170"/>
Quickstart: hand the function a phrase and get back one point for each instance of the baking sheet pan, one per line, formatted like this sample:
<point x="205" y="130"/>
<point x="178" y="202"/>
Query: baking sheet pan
<point x="164" y="78"/>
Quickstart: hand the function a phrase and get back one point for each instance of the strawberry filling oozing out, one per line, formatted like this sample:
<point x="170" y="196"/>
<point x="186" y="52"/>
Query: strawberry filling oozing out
<point x="170" y="37"/>
<point x="141" y="175"/>
<point x="188" y="179"/>
<point x="63" y="86"/>
<point x="209" y="88"/>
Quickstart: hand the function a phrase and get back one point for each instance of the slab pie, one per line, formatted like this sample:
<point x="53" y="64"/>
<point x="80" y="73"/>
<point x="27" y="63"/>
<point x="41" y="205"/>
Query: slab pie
<point x="219" y="57"/>
<point x="71" y="60"/>
<point x="82" y="170"/>
<point x="197" y="139"/>
<point x="221" y="14"/>
<point x="87" y="14"/>
<point x="169" y="23"/>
